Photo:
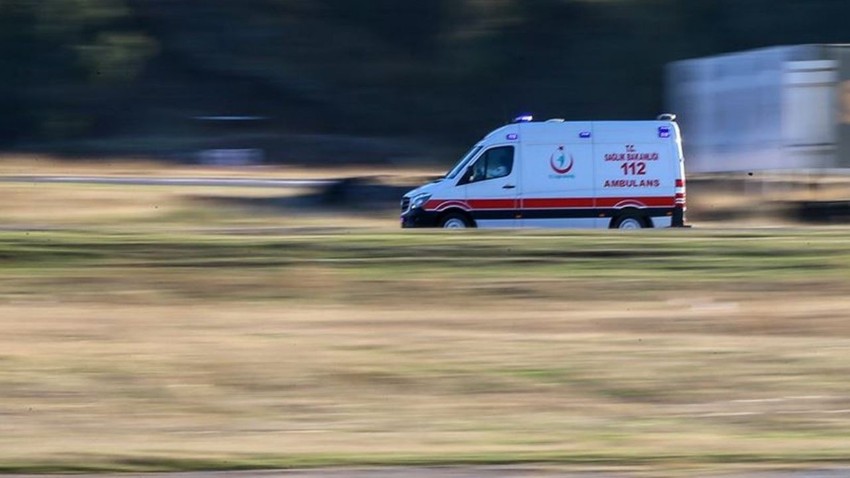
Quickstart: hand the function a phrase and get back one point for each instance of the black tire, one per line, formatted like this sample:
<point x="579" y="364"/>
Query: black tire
<point x="455" y="220"/>
<point x="628" y="221"/>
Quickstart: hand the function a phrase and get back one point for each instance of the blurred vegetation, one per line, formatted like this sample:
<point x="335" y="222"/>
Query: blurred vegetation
<point x="136" y="72"/>
<point x="186" y="349"/>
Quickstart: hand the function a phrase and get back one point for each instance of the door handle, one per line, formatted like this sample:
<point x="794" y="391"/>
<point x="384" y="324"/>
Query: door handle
<point x="508" y="186"/>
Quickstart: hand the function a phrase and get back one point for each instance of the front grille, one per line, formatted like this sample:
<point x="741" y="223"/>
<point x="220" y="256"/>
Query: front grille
<point x="405" y="203"/>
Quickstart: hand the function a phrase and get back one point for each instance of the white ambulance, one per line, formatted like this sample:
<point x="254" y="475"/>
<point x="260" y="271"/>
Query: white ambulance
<point x="556" y="173"/>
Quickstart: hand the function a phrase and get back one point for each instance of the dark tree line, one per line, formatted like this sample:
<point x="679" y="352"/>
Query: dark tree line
<point x="442" y="69"/>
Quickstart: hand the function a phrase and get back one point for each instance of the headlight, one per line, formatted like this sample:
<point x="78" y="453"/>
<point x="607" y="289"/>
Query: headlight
<point x="419" y="201"/>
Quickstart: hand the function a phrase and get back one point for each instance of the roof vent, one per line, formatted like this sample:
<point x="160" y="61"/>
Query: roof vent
<point x="555" y="120"/>
<point x="667" y="117"/>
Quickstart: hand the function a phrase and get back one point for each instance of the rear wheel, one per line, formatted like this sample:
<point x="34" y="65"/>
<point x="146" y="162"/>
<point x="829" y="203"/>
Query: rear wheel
<point x="628" y="221"/>
<point x="455" y="221"/>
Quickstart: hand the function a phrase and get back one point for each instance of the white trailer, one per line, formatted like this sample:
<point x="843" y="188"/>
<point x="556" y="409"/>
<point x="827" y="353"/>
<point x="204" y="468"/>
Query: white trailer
<point x="772" y="109"/>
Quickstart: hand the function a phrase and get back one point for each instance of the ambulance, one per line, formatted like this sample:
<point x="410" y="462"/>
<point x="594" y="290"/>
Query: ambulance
<point x="556" y="174"/>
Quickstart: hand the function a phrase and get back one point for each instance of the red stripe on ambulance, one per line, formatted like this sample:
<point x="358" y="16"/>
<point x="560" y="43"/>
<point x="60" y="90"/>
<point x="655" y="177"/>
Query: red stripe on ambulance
<point x="557" y="203"/>
<point x="552" y="203"/>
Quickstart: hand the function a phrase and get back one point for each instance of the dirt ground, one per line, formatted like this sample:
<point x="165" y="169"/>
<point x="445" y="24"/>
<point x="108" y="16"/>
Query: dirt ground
<point x="489" y="472"/>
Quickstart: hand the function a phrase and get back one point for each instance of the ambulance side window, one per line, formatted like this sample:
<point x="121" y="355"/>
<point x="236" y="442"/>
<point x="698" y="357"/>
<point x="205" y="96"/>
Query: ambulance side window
<point x="495" y="163"/>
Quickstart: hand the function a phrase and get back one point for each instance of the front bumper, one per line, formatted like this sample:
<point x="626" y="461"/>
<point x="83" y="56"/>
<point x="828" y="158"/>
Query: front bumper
<point x="418" y="217"/>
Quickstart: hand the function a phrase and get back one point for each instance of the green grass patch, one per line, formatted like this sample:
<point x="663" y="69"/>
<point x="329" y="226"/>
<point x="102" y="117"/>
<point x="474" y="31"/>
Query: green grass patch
<point x="659" y="258"/>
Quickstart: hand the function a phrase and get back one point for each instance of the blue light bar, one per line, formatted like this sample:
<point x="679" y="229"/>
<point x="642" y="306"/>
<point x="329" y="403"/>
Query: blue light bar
<point x="512" y="137"/>
<point x="523" y="119"/>
<point x="584" y="134"/>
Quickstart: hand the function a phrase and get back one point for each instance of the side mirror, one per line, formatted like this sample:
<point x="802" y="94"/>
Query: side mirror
<point x="467" y="176"/>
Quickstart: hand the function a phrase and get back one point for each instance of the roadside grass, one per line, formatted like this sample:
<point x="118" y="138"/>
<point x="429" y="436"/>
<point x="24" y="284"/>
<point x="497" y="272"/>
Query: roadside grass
<point x="134" y="209"/>
<point x="144" y="330"/>
<point x="374" y="265"/>
<point x="183" y="350"/>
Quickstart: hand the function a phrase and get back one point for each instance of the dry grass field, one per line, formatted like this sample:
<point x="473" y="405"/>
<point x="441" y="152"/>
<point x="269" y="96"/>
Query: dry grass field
<point x="174" y="328"/>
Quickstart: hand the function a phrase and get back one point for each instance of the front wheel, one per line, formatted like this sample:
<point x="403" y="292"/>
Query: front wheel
<point x="454" y="221"/>
<point x="628" y="222"/>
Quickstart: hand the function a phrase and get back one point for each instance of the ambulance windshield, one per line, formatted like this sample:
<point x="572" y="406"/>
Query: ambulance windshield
<point x="461" y="165"/>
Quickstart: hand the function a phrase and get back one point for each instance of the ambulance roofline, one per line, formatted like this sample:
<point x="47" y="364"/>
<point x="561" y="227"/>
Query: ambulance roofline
<point x="502" y="134"/>
<point x="513" y="133"/>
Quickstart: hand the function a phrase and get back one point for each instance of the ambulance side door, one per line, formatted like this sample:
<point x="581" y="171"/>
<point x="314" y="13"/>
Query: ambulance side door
<point x="557" y="189"/>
